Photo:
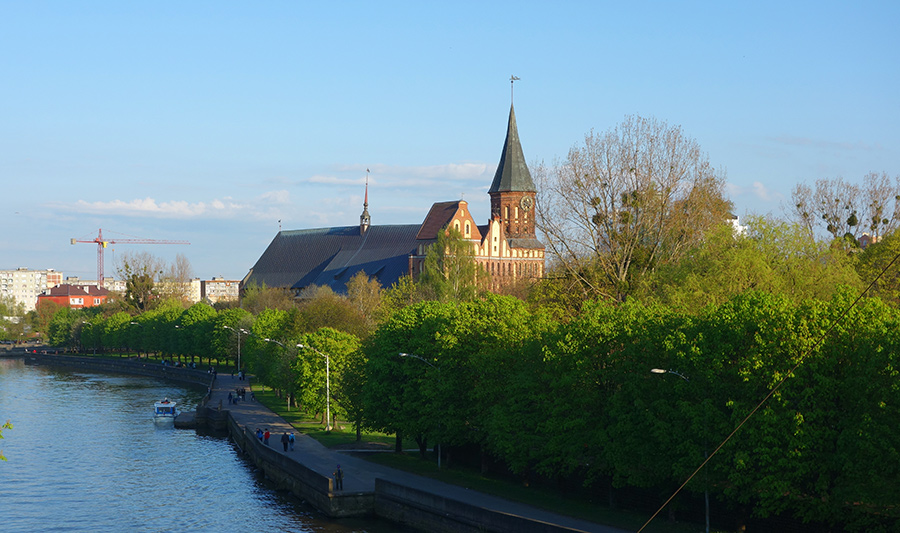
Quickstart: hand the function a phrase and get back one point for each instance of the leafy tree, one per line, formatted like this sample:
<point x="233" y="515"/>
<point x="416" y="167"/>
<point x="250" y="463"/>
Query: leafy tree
<point x="197" y="323"/>
<point x="876" y="266"/>
<point x="310" y="371"/>
<point x="60" y="329"/>
<point x="321" y="307"/>
<point x="771" y="256"/>
<point x="627" y="201"/>
<point x="43" y="313"/>
<point x="364" y="294"/>
<point x="401" y="294"/>
<point x="450" y="272"/>
<point x="266" y="359"/>
<point x="115" y="331"/>
<point x="257" y="298"/>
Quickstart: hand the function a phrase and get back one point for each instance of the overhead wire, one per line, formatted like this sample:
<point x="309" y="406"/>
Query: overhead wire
<point x="771" y="392"/>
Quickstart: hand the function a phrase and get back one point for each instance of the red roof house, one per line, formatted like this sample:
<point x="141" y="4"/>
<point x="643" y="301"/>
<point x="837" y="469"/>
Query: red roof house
<point x="75" y="297"/>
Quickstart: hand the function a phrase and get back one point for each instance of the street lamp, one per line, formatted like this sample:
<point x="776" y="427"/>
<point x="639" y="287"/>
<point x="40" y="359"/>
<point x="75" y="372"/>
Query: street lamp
<point x="327" y="384"/>
<point x="238" y="331"/>
<point x="427" y="362"/>
<point x="705" y="451"/>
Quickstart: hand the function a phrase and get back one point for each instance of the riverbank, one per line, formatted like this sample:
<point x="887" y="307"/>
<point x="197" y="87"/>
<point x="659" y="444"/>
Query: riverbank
<point x="369" y="489"/>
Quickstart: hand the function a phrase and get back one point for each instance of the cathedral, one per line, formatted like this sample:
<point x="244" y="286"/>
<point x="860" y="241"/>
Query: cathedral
<point x="506" y="247"/>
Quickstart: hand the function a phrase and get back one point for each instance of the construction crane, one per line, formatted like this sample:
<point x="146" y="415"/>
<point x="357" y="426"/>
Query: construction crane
<point x="102" y="243"/>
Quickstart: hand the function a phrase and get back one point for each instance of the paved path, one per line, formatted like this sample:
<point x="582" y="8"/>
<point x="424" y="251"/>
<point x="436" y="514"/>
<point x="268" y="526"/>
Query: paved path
<point x="359" y="474"/>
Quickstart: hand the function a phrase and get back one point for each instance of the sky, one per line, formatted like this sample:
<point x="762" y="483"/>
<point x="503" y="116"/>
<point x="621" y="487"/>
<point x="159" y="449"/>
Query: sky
<point x="218" y="123"/>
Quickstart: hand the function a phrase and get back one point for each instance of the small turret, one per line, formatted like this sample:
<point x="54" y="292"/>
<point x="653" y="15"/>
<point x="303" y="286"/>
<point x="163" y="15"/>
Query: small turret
<point x="364" y="220"/>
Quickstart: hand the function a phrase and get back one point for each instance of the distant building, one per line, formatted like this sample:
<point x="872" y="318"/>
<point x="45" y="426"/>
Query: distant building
<point x="865" y="240"/>
<point x="735" y="222"/>
<point x="74" y="297"/>
<point x="114" y="285"/>
<point x="220" y="290"/>
<point x="24" y="285"/>
<point x="506" y="246"/>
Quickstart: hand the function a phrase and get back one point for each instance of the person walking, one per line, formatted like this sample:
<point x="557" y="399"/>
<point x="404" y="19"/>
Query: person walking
<point x="284" y="441"/>
<point x="291" y="441"/>
<point x="338" y="478"/>
<point x="266" y="436"/>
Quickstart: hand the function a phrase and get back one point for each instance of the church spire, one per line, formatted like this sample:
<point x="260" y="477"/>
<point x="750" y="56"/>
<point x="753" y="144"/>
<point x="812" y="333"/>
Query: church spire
<point x="364" y="220"/>
<point x="512" y="172"/>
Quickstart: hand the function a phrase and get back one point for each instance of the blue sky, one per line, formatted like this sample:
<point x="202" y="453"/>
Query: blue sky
<point x="211" y="121"/>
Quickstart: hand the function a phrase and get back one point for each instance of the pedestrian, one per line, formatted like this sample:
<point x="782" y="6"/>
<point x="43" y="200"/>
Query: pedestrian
<point x="291" y="441"/>
<point x="230" y="399"/>
<point x="284" y="441"/>
<point x="259" y="434"/>
<point x="266" y="436"/>
<point x="338" y="478"/>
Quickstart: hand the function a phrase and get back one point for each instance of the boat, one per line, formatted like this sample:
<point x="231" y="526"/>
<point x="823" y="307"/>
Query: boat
<point x="164" y="409"/>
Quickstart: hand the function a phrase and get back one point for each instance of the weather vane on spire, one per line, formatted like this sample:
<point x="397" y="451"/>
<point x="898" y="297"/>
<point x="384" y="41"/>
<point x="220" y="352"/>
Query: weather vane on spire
<point x="512" y="80"/>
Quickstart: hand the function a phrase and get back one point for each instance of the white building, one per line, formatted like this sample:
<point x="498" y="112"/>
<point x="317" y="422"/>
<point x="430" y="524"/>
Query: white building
<point x="220" y="290"/>
<point x="24" y="285"/>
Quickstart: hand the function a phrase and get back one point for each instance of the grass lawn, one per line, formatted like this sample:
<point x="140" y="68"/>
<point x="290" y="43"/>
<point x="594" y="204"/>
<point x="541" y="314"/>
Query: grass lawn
<point x="547" y="498"/>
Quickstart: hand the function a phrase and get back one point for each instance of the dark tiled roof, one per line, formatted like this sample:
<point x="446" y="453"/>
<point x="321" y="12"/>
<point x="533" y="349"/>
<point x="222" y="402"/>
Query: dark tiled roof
<point x="331" y="256"/>
<point x="512" y="172"/>
<point x="439" y="217"/>
<point x="66" y="290"/>
<point x="94" y="290"/>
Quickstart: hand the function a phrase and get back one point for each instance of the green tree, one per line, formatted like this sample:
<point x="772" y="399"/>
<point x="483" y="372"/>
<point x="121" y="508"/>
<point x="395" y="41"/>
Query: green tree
<point x="876" y="266"/>
<point x="450" y="272"/>
<point x="771" y="256"/>
<point x="257" y="298"/>
<point x="365" y="294"/>
<point x="336" y="348"/>
<point x="196" y="332"/>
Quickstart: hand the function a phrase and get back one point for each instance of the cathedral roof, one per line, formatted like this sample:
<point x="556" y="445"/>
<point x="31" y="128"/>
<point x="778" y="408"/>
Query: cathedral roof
<point x="331" y="256"/>
<point x="512" y="172"/>
<point x="438" y="218"/>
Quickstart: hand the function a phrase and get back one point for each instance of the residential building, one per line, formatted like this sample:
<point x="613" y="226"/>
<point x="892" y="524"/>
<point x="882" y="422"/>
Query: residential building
<point x="75" y="297"/>
<point x="24" y="285"/>
<point x="220" y="290"/>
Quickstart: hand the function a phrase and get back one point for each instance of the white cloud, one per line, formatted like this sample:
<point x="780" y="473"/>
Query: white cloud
<point x="764" y="193"/>
<point x="262" y="207"/>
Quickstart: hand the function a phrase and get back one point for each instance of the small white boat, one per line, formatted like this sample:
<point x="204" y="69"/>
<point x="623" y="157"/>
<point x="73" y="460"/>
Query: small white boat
<point x="165" y="410"/>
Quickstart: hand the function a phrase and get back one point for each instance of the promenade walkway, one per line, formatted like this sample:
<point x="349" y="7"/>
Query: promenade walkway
<point x="359" y="474"/>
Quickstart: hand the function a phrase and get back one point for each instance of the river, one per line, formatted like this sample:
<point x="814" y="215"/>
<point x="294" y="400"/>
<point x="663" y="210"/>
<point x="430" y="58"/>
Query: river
<point x="86" y="455"/>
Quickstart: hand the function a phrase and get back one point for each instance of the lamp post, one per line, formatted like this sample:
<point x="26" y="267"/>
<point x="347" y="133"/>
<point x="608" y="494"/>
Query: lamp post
<point x="138" y="324"/>
<point x="238" y="331"/>
<point x="705" y="451"/>
<point x="427" y="362"/>
<point x="327" y="384"/>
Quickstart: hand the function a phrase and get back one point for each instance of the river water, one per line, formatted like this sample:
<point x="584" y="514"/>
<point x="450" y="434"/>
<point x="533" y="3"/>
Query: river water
<point x="86" y="455"/>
